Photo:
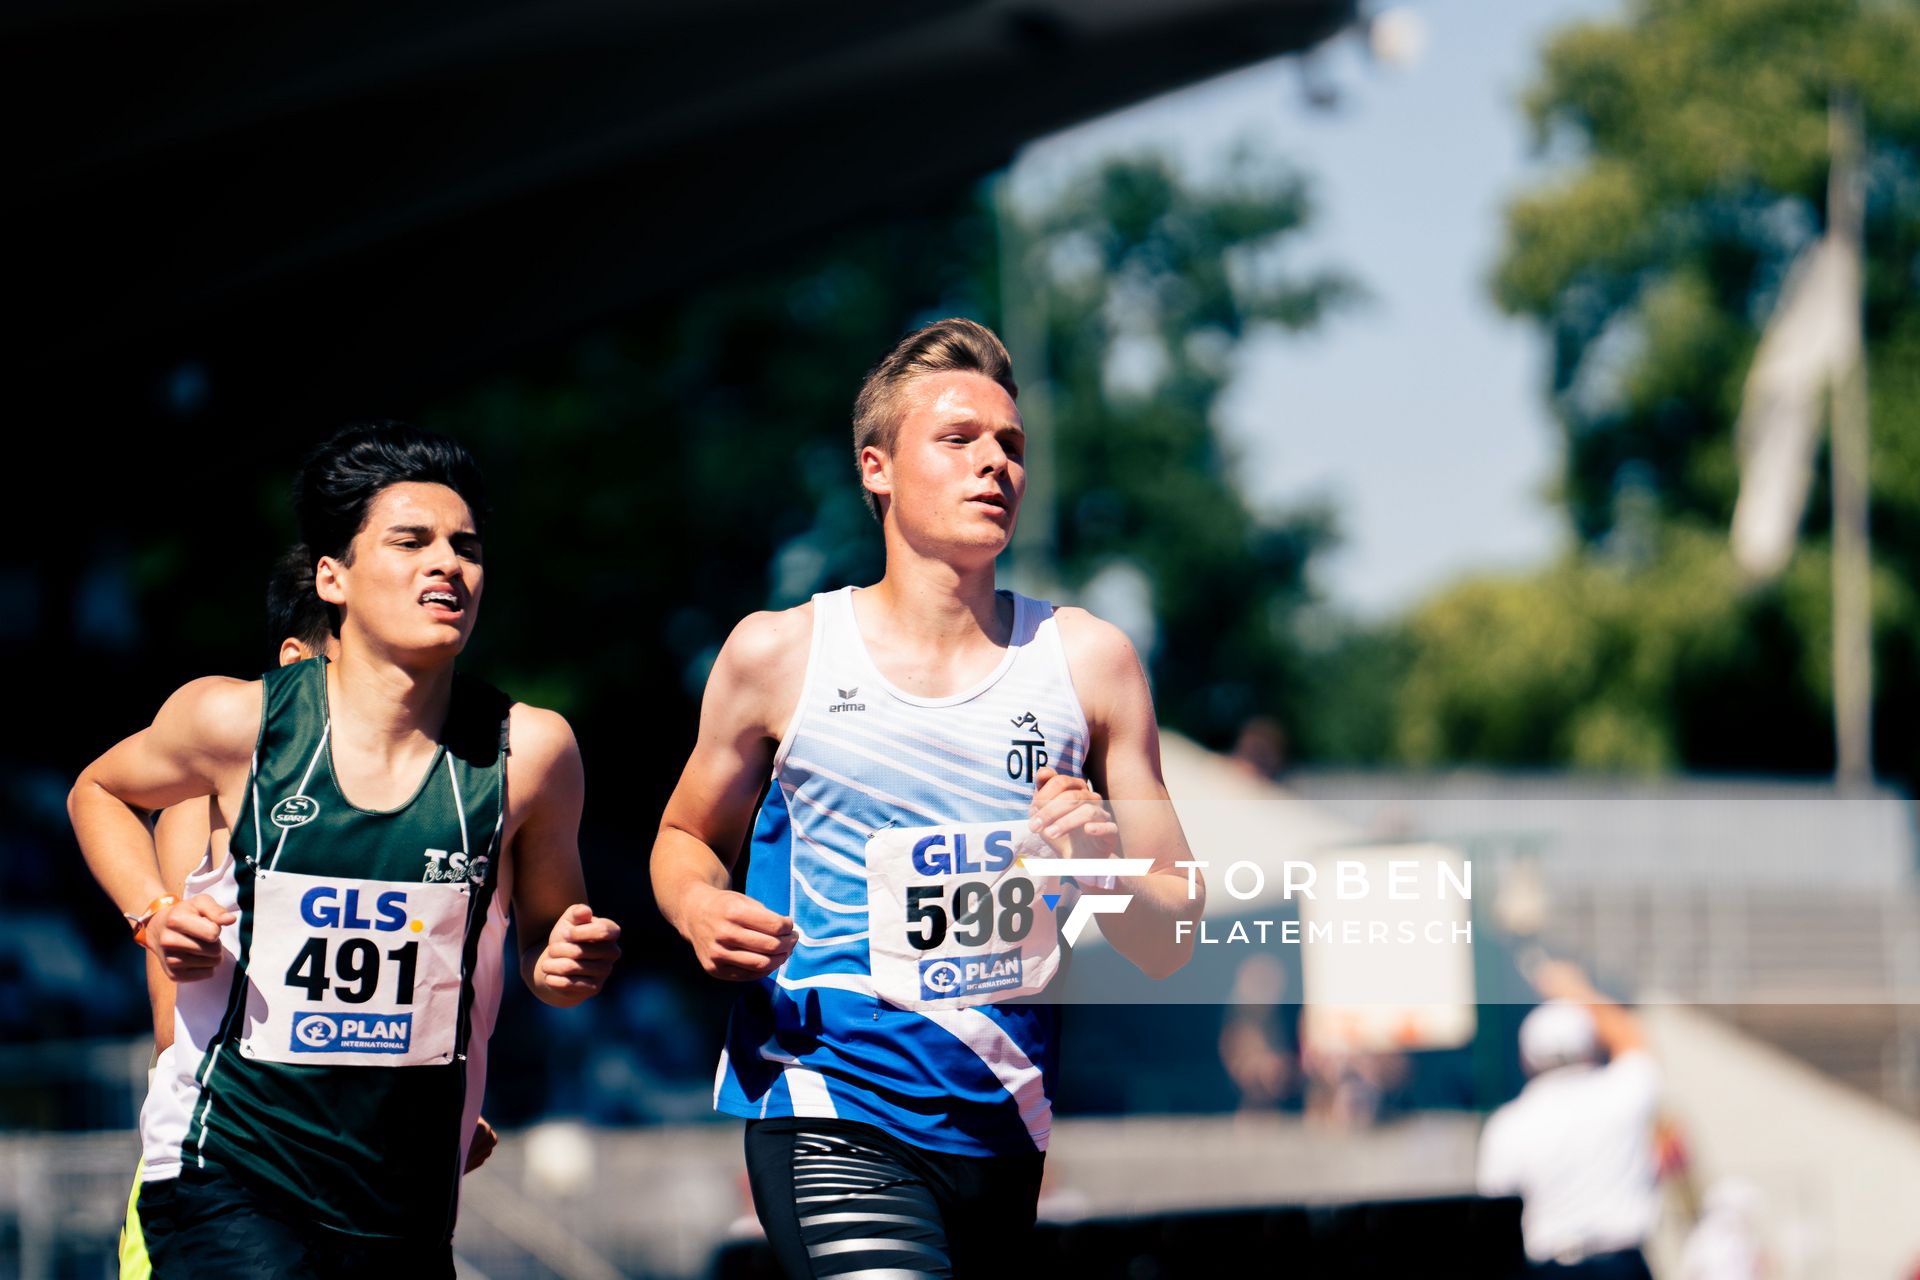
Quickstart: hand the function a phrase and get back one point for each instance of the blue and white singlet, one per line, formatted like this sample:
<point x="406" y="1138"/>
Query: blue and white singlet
<point x="860" y="758"/>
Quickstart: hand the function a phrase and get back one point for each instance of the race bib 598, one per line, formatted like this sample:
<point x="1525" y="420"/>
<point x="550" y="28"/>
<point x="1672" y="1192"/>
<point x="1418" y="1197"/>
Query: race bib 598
<point x="953" y="917"/>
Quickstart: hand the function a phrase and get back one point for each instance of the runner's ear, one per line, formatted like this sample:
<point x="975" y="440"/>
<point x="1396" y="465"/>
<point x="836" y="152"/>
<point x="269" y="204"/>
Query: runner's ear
<point x="876" y="471"/>
<point x="327" y="580"/>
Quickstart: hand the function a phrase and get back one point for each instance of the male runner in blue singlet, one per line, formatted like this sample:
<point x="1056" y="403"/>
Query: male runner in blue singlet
<point x="339" y="950"/>
<point x="924" y="738"/>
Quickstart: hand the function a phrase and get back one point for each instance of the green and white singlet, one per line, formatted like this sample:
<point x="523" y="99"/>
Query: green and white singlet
<point x="337" y="1056"/>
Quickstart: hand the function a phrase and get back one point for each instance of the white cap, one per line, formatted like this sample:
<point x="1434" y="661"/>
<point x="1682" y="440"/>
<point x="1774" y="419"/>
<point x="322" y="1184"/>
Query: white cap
<point x="1555" y="1034"/>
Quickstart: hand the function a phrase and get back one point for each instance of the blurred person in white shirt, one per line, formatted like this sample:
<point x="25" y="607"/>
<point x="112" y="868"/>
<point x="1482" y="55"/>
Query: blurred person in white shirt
<point x="1725" y="1243"/>
<point x="1577" y="1145"/>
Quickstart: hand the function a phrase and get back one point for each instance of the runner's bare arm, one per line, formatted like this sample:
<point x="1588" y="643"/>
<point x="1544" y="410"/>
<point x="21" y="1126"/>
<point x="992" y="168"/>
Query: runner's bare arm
<point x="1129" y="792"/>
<point x="750" y="693"/>
<point x="198" y="745"/>
<point x="180" y="839"/>
<point x="566" y="952"/>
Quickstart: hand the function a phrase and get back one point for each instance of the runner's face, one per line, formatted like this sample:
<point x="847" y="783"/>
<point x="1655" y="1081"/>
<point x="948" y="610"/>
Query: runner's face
<point x="415" y="580"/>
<point x="957" y="470"/>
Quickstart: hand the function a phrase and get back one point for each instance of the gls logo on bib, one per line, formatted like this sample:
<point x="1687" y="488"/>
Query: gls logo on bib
<point x="327" y="907"/>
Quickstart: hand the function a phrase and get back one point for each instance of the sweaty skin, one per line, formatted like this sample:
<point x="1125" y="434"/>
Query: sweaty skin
<point x="182" y="835"/>
<point x="950" y="490"/>
<point x="388" y="694"/>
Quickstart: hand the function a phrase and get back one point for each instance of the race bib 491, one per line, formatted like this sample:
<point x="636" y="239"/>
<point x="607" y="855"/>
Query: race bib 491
<point x="954" y="919"/>
<point x="349" y="972"/>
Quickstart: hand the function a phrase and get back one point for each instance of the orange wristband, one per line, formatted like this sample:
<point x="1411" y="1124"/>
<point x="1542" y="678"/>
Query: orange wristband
<point x="140" y="922"/>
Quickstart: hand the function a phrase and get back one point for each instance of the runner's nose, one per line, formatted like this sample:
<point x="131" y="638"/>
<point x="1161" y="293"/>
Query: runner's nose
<point x="444" y="561"/>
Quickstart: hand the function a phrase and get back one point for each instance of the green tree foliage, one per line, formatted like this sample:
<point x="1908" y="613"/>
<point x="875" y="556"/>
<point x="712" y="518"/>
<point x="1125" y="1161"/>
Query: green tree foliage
<point x="1150" y="285"/>
<point x="663" y="481"/>
<point x="1694" y="135"/>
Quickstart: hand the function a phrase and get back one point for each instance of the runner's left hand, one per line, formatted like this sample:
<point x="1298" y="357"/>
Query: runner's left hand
<point x="1071" y="817"/>
<point x="485" y="1139"/>
<point x="579" y="955"/>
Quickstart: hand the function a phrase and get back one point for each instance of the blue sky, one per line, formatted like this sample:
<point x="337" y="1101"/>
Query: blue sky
<point x="1420" y="414"/>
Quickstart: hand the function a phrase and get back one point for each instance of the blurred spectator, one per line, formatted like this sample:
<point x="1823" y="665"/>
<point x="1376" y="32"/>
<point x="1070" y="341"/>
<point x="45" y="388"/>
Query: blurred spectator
<point x="1253" y="1043"/>
<point x="1350" y="1089"/>
<point x="1261" y="748"/>
<point x="1577" y="1144"/>
<point x="1724" y="1244"/>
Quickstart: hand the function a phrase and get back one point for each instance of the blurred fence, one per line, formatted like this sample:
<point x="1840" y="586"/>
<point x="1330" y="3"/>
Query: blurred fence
<point x="1144" y="1196"/>
<point x="1581" y="830"/>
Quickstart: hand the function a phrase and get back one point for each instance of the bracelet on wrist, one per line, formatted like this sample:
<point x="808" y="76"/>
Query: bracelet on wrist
<point x="139" y="922"/>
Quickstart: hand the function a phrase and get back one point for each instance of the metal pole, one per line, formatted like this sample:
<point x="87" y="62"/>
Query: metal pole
<point x="1023" y="327"/>
<point x="1852" y="559"/>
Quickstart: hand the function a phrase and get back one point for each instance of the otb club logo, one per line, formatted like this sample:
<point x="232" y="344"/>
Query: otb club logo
<point x="1025" y="755"/>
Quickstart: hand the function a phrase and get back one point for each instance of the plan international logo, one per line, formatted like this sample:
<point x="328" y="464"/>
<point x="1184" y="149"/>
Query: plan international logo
<point x="969" y="975"/>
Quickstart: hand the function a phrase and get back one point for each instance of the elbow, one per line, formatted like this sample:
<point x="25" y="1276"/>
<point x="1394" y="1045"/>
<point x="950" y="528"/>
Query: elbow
<point x="83" y="786"/>
<point x="1164" y="964"/>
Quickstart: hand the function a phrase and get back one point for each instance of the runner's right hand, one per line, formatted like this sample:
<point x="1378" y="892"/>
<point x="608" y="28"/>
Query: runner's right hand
<point x="185" y="936"/>
<point x="735" y="937"/>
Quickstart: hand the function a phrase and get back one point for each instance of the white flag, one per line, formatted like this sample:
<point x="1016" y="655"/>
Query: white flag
<point x="1812" y="337"/>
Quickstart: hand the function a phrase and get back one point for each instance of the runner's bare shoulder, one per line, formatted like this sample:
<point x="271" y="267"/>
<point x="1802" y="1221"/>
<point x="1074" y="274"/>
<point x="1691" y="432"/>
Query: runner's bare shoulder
<point x="763" y="664"/>
<point x="215" y="719"/>
<point x="1097" y="651"/>
<point x="543" y="747"/>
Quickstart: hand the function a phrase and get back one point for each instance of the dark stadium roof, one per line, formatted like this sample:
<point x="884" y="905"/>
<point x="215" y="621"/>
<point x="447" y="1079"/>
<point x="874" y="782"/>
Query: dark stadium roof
<point x="391" y="192"/>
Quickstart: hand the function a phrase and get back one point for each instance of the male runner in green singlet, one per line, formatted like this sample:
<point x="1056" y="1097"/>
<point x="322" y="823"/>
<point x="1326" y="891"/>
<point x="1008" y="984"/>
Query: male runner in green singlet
<point x="919" y="734"/>
<point x="298" y="628"/>
<point x="340" y="971"/>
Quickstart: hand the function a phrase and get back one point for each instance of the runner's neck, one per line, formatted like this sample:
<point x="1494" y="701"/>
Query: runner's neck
<point x="937" y="609"/>
<point x="384" y="709"/>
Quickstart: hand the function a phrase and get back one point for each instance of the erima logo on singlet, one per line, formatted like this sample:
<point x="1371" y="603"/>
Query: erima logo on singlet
<point x="1024" y="755"/>
<point x="295" y="810"/>
<point x="847" y="702"/>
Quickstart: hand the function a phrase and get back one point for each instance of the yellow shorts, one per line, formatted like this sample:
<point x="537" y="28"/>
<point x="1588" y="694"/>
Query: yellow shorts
<point x="134" y="1264"/>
